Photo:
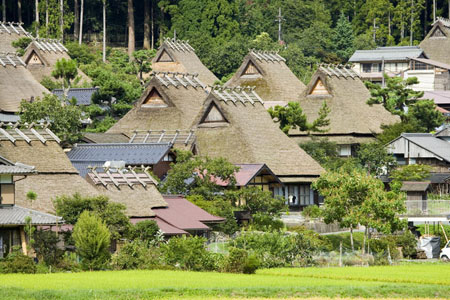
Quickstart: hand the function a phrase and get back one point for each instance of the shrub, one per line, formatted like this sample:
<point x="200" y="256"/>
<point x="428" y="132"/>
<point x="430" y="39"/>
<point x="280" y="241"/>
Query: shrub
<point x="312" y="211"/>
<point x="17" y="262"/>
<point x="137" y="255"/>
<point x="188" y="253"/>
<point x="275" y="249"/>
<point x="317" y="241"/>
<point x="46" y="247"/>
<point x="146" y="231"/>
<point x="92" y="240"/>
<point x="265" y="222"/>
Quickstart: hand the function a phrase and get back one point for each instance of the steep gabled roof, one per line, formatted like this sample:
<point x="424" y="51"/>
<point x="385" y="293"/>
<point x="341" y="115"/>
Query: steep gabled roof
<point x="16" y="83"/>
<point x="346" y="97"/>
<point x="170" y="102"/>
<point x="9" y="32"/>
<point x="37" y="146"/>
<point x="136" y="189"/>
<point x="437" y="42"/>
<point x="269" y="74"/>
<point x="250" y="136"/>
<point x="178" y="56"/>
<point x="41" y="56"/>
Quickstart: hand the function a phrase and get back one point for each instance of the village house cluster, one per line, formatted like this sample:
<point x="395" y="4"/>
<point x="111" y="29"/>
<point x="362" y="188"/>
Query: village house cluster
<point x="182" y="108"/>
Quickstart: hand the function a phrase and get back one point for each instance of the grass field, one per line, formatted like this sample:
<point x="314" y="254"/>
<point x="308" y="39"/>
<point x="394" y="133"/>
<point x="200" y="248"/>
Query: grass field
<point x="406" y="281"/>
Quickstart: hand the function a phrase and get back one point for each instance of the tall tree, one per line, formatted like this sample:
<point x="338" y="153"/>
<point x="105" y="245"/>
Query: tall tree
<point x="343" y="38"/>
<point x="19" y="11"/>
<point x="61" y="18"/>
<point x="146" y="44"/>
<point x="76" y="21"/>
<point x="80" y="37"/>
<point x="4" y="10"/>
<point x="104" y="30"/>
<point x="36" y="8"/>
<point x="131" y="33"/>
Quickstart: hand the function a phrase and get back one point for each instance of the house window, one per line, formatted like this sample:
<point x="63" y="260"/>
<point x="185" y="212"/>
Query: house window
<point x="376" y="67"/>
<point x="419" y="66"/>
<point x="367" y="68"/>
<point x="345" y="150"/>
<point x="296" y="195"/>
<point x="6" y="190"/>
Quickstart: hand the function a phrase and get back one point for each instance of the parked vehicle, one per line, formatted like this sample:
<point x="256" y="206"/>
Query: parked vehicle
<point x="445" y="252"/>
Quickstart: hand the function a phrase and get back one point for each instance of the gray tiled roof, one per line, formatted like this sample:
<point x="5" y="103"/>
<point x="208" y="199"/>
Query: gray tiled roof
<point x="17" y="169"/>
<point x="85" y="155"/>
<point x="386" y="53"/>
<point x="15" y="215"/>
<point x="431" y="143"/>
<point x="4" y="117"/>
<point x="83" y="95"/>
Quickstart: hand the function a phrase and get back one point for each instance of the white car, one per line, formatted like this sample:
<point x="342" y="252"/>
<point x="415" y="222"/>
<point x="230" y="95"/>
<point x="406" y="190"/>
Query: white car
<point x="445" y="252"/>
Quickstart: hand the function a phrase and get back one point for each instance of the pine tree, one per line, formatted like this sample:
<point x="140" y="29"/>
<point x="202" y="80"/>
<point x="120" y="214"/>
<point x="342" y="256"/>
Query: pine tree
<point x="343" y="38"/>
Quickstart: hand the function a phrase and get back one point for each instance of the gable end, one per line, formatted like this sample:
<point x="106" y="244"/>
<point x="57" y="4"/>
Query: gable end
<point x="213" y="115"/>
<point x="154" y="99"/>
<point x="164" y="57"/>
<point x="438" y="33"/>
<point x="319" y="88"/>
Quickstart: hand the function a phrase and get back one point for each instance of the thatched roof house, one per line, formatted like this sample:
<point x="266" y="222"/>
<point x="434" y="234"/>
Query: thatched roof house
<point x="136" y="189"/>
<point x="10" y="32"/>
<point x="39" y="147"/>
<point x="234" y="124"/>
<point x="352" y="120"/>
<point x="42" y="55"/>
<point x="437" y="42"/>
<point x="16" y="83"/>
<point x="178" y="56"/>
<point x="268" y="73"/>
<point x="170" y="102"/>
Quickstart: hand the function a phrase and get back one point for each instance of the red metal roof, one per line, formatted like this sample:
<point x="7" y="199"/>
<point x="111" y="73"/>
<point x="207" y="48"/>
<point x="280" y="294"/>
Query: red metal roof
<point x="185" y="215"/>
<point x="163" y="225"/>
<point x="246" y="173"/>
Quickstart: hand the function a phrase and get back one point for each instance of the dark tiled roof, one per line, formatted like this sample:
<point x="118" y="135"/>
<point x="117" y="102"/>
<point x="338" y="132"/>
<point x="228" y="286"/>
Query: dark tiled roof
<point x="387" y="53"/>
<point x="431" y="143"/>
<point x="415" y="186"/>
<point x="84" y="155"/>
<point x="83" y="95"/>
<point x="15" y="215"/>
<point x="5" y="117"/>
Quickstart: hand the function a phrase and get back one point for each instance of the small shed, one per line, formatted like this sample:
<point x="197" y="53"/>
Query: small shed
<point x="416" y="190"/>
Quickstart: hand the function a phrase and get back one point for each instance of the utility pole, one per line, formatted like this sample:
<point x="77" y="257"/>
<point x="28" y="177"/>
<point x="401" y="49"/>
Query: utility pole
<point x="279" y="19"/>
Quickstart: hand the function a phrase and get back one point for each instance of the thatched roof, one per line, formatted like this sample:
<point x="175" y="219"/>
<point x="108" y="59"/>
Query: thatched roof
<point x="9" y="32"/>
<point x="178" y="56"/>
<point x="135" y="189"/>
<point x="346" y="97"/>
<point x="38" y="147"/>
<point x="269" y="74"/>
<point x="16" y="83"/>
<point x="41" y="56"/>
<point x="170" y="102"/>
<point x="242" y="131"/>
<point x="437" y="42"/>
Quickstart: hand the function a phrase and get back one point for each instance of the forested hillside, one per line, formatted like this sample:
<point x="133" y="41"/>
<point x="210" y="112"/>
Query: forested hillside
<point x="223" y="30"/>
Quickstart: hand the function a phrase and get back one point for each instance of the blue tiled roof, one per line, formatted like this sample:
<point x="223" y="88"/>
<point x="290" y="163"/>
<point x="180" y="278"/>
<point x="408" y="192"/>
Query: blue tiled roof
<point x="83" y="95"/>
<point x="84" y="155"/>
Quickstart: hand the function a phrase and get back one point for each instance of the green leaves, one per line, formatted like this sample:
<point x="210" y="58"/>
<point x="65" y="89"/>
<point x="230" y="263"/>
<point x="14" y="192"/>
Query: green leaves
<point x="292" y="117"/>
<point x="92" y="240"/>
<point x="354" y="197"/>
<point x="65" y="120"/>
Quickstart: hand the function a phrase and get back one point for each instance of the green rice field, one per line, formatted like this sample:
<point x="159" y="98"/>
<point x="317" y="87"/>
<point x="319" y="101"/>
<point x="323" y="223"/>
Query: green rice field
<point x="430" y="280"/>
